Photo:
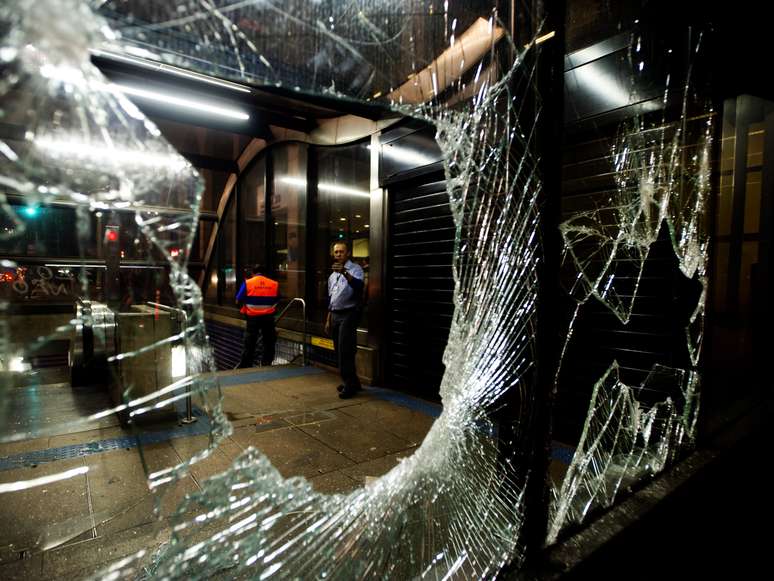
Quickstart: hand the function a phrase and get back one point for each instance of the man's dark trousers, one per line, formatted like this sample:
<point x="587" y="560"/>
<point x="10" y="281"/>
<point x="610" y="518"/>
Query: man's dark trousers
<point x="344" y="331"/>
<point x="265" y="325"/>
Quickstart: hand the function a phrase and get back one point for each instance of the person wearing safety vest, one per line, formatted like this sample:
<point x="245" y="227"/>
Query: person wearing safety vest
<point x="259" y="296"/>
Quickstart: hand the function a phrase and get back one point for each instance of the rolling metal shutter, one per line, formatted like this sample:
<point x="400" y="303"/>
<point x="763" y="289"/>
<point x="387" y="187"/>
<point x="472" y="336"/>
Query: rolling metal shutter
<point x="419" y="284"/>
<point x="655" y="333"/>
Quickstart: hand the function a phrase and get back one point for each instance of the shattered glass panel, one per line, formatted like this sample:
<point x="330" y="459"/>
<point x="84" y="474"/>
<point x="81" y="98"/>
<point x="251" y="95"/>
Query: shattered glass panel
<point x="625" y="440"/>
<point x="88" y="183"/>
<point x="72" y="139"/>
<point x="622" y="241"/>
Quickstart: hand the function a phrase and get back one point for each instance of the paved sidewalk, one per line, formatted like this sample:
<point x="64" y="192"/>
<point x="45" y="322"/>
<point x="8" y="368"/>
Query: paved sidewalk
<point x="73" y="528"/>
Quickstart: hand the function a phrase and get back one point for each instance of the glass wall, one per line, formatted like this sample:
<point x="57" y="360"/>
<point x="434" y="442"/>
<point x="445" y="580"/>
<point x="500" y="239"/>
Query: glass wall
<point x="343" y="213"/>
<point x="288" y="213"/>
<point x="41" y="231"/>
<point x="201" y="240"/>
<point x="211" y="284"/>
<point x="228" y="266"/>
<point x="222" y="276"/>
<point x="252" y="191"/>
<point x="43" y="246"/>
<point x="214" y="183"/>
<point x="328" y="185"/>
<point x="741" y="282"/>
<point x="214" y="153"/>
<point x="206" y="148"/>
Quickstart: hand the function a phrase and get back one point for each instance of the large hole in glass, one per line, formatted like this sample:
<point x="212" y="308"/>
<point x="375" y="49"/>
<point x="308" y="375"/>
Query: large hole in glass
<point x="634" y="272"/>
<point x="134" y="320"/>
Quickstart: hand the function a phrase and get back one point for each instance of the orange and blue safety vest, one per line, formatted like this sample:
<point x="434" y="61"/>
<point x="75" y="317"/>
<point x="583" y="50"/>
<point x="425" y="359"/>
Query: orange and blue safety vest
<point x="260" y="296"/>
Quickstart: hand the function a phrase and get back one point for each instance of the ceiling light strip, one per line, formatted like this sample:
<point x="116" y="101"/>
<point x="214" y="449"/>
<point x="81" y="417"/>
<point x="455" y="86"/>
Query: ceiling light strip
<point x="181" y="102"/>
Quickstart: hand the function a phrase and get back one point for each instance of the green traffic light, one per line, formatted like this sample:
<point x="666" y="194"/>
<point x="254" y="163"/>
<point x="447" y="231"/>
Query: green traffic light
<point x="31" y="211"/>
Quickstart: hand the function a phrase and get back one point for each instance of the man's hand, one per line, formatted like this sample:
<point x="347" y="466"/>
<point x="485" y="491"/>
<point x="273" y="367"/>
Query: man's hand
<point x="328" y="324"/>
<point x="338" y="267"/>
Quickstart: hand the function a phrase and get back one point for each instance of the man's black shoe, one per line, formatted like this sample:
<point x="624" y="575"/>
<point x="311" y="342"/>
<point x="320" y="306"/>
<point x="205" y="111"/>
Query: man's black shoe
<point x="346" y="394"/>
<point x="342" y="387"/>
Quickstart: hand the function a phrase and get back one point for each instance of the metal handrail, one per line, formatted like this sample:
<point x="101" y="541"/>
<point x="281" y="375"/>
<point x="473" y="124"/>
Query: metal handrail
<point x="189" y="417"/>
<point x="303" y="310"/>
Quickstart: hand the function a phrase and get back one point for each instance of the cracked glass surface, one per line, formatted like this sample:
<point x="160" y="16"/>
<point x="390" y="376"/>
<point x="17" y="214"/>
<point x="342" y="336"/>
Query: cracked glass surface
<point x="452" y="509"/>
<point x="660" y="164"/>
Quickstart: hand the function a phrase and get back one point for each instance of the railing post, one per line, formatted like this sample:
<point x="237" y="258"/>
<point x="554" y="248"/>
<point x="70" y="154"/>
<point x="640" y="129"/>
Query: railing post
<point x="303" y="337"/>
<point x="189" y="417"/>
<point x="303" y="310"/>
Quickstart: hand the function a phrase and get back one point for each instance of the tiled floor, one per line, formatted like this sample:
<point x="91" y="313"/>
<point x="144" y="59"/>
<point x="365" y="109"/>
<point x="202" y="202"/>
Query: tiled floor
<point x="75" y="527"/>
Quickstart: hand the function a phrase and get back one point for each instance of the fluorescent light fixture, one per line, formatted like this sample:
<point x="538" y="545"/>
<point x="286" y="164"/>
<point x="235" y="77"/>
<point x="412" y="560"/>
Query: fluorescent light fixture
<point x="117" y="156"/>
<point x="326" y="187"/>
<point x="151" y="65"/>
<point x="74" y="265"/>
<point x="407" y="156"/>
<point x="18" y="365"/>
<point x="126" y="266"/>
<point x="594" y="78"/>
<point x="178" y="361"/>
<point x="194" y="105"/>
